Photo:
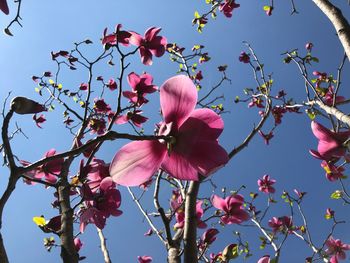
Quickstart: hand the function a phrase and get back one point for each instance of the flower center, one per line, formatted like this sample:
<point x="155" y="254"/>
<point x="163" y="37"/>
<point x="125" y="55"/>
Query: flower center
<point x="166" y="129"/>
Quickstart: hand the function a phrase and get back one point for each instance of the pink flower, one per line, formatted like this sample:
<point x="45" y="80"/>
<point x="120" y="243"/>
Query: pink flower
<point x="232" y="206"/>
<point x="192" y="149"/>
<point x="39" y="120"/>
<point x="256" y="102"/>
<point x="140" y="85"/>
<point x="265" y="184"/>
<point x="244" y="57"/>
<point x="176" y="200"/>
<point x="309" y="46"/>
<point x="180" y="217"/>
<point x="266" y="137"/>
<point x="144" y="259"/>
<point x="119" y="36"/>
<point x="329" y="213"/>
<point x="83" y="86"/>
<point x="136" y="118"/>
<point x="277" y="112"/>
<point x="49" y="171"/>
<point x="112" y="85"/>
<point x="264" y="259"/>
<point x="330" y="144"/>
<point x="268" y="10"/>
<point x="198" y="76"/>
<point x="149" y="232"/>
<point x="100" y="106"/>
<point x="4" y="7"/>
<point x="97" y="126"/>
<point x="99" y="204"/>
<point x="281" y="223"/>
<point x="97" y="171"/>
<point x="336" y="249"/>
<point x="209" y="236"/>
<point x="333" y="172"/>
<point x="77" y="244"/>
<point x="328" y="97"/>
<point x="149" y="45"/>
<point x="227" y="7"/>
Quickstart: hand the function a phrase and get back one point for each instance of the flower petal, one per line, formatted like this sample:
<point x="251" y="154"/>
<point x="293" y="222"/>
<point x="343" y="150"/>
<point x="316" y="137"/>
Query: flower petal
<point x="151" y="33"/>
<point x="146" y="56"/>
<point x="179" y="167"/>
<point x="4" y="7"/>
<point x="135" y="39"/>
<point x="136" y="162"/>
<point x="133" y="80"/>
<point x="218" y="202"/>
<point x="178" y="98"/>
<point x="208" y="157"/>
<point x="203" y="124"/>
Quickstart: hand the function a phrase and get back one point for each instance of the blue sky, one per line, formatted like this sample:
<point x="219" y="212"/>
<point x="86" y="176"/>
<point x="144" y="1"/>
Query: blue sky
<point x="56" y="25"/>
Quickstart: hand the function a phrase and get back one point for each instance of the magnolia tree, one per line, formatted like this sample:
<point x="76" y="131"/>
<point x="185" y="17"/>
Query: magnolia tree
<point x="168" y="166"/>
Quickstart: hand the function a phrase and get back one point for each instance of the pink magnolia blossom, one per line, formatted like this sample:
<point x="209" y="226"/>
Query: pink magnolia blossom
<point x="330" y="144"/>
<point x="232" y="206"/>
<point x="336" y="249"/>
<point x="99" y="204"/>
<point x="192" y="150"/>
<point x="329" y="214"/>
<point x="309" y="46"/>
<point x="264" y="259"/>
<point x="277" y="113"/>
<point x="256" y="102"/>
<point x="265" y="184"/>
<point x="4" y="7"/>
<point x="267" y="137"/>
<point x="39" y="120"/>
<point x="140" y="85"/>
<point x="333" y="172"/>
<point x="280" y="223"/>
<point x="97" y="126"/>
<point x="269" y="10"/>
<point x="209" y="236"/>
<point x="328" y="97"/>
<point x="148" y="233"/>
<point x="119" y="36"/>
<point x="78" y="244"/>
<point x="112" y="85"/>
<point x="49" y="171"/>
<point x="100" y="106"/>
<point x="180" y="217"/>
<point x="227" y="7"/>
<point x="136" y="118"/>
<point x="176" y="200"/>
<point x="97" y="171"/>
<point x="244" y="57"/>
<point x="83" y="86"/>
<point x="144" y="259"/>
<point x="149" y="45"/>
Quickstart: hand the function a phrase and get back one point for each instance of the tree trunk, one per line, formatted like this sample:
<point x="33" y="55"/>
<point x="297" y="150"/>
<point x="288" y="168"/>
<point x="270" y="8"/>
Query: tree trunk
<point x="190" y="228"/>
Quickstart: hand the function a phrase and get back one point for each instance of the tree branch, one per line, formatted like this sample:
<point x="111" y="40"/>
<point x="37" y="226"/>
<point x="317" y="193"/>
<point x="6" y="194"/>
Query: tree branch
<point x="339" y="22"/>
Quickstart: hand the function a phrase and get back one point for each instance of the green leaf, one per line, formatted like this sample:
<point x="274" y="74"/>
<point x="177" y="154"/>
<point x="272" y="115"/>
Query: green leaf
<point x="315" y="59"/>
<point x="266" y="7"/>
<point x="337" y="194"/>
<point x="197" y="15"/>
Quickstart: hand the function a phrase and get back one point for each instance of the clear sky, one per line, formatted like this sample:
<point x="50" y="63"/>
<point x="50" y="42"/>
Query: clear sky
<point x="56" y="25"/>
